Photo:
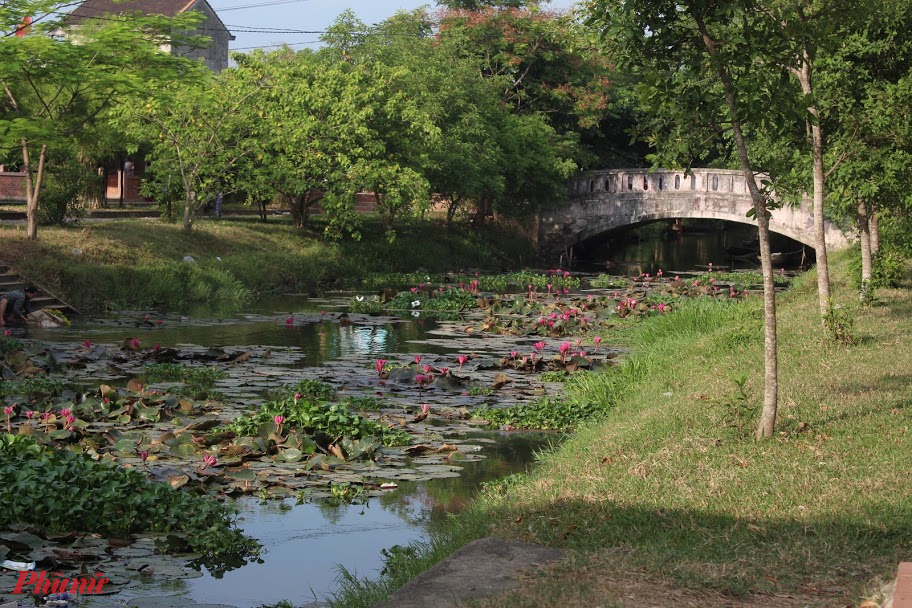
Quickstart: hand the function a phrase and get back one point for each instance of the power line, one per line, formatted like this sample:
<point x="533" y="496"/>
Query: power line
<point x="258" y="5"/>
<point x="276" y="46"/>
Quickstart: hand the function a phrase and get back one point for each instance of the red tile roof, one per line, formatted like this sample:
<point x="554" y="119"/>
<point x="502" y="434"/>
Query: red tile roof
<point x="97" y="8"/>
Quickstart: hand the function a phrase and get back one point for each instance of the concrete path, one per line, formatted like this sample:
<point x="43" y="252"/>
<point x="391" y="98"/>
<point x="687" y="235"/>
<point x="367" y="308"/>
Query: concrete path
<point x="482" y="568"/>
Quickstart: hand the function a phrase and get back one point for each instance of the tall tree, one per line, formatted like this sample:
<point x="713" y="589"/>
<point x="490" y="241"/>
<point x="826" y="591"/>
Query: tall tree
<point x="867" y="81"/>
<point x="699" y="79"/>
<point x="198" y="131"/>
<point x="55" y="86"/>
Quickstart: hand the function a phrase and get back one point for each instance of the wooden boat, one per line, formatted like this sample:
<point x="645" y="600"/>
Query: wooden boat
<point x="788" y="258"/>
<point x="744" y="254"/>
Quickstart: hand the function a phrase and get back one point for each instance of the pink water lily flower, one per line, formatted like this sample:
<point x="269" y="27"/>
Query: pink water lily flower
<point x="209" y="460"/>
<point x="539" y="346"/>
<point x="87" y="344"/>
<point x="462" y="359"/>
<point x="379" y="364"/>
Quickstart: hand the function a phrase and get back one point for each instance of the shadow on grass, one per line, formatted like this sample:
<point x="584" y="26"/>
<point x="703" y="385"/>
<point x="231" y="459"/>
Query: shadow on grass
<point x="703" y="549"/>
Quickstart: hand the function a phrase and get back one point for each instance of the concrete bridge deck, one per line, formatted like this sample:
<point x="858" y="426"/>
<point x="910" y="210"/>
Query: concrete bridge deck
<point x="601" y="201"/>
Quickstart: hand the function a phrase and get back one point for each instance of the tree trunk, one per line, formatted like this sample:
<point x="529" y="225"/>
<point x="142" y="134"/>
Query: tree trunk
<point x="823" y="269"/>
<point x="874" y="227"/>
<point x="189" y="204"/>
<point x="451" y="209"/>
<point x="32" y="189"/>
<point x="867" y="267"/>
<point x="767" y="423"/>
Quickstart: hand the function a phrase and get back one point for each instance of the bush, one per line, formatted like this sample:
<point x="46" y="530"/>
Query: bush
<point x="64" y="184"/>
<point x="889" y="265"/>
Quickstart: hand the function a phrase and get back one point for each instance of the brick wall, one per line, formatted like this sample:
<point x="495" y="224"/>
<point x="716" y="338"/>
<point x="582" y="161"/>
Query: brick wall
<point x="12" y="186"/>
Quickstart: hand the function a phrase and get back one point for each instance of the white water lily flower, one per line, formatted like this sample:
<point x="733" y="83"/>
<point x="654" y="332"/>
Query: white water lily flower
<point x="416" y="314"/>
<point x="359" y="298"/>
<point x="416" y="303"/>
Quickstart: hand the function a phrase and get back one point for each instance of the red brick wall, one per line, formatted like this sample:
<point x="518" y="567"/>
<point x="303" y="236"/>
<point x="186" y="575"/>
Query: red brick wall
<point x="12" y="186"/>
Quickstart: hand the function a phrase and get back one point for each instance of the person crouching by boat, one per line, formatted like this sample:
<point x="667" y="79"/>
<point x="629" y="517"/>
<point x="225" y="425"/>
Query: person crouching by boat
<point x="14" y="306"/>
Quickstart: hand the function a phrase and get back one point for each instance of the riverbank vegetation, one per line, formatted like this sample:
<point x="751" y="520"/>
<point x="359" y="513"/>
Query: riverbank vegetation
<point x="670" y="491"/>
<point x="137" y="263"/>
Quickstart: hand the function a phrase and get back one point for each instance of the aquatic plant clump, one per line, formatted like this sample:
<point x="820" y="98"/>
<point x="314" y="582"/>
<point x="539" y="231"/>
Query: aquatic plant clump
<point x="59" y="490"/>
<point x="544" y="414"/>
<point x="327" y="423"/>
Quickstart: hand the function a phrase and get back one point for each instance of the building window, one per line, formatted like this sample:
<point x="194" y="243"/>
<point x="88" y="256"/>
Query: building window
<point x="645" y="183"/>
<point x="715" y="182"/>
<point x="630" y="182"/>
<point x="677" y="182"/>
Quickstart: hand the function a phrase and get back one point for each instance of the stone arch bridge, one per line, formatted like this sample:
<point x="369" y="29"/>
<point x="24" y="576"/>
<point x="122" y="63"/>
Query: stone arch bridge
<point x="601" y="201"/>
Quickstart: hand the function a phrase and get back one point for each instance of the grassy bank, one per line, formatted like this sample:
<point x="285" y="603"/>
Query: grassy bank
<point x="139" y="263"/>
<point x="670" y="498"/>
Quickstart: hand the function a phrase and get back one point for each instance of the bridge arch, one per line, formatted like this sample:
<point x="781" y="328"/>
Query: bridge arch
<point x="601" y="201"/>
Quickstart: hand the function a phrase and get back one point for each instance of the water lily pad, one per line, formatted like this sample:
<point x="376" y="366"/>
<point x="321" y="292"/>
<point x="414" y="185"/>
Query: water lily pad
<point x="290" y="455"/>
<point x="183" y="450"/>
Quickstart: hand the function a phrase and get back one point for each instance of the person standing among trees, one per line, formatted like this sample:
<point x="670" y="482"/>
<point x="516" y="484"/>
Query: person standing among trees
<point x="14" y="305"/>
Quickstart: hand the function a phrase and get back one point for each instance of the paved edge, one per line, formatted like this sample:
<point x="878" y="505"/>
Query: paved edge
<point x="902" y="593"/>
<point x="482" y="568"/>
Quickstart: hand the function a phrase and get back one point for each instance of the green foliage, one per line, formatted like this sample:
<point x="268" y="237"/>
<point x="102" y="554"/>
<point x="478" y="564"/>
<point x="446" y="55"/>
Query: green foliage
<point x="198" y="381"/>
<point x="839" y="324"/>
<point x="607" y="281"/>
<point x="739" y="412"/>
<point x="32" y="387"/>
<point x="743" y="280"/>
<point x="326" y="422"/>
<point x="203" y="376"/>
<point x="555" y="376"/>
<point x="58" y="490"/>
<point x="66" y="181"/>
<point x="346" y="493"/>
<point x="313" y="389"/>
<point x="364" y="404"/>
<point x="58" y="88"/>
<point x="544" y="414"/>
<point x="8" y="345"/>
<point x="889" y="267"/>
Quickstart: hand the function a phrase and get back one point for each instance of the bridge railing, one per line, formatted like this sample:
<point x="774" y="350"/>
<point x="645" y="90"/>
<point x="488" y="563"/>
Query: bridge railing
<point x="621" y="181"/>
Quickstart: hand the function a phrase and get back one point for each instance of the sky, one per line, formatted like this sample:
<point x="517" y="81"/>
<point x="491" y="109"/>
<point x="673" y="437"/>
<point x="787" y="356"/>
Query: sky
<point x="293" y="22"/>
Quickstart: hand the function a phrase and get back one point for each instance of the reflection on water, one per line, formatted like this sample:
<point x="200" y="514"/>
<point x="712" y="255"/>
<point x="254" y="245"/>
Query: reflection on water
<point x="307" y="543"/>
<point x="320" y="341"/>
<point x="695" y="248"/>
